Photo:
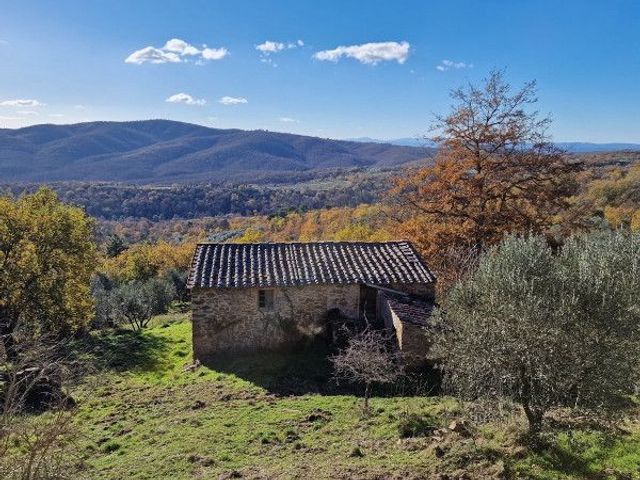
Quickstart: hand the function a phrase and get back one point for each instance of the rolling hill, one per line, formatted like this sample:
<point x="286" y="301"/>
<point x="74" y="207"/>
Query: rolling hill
<point x="162" y="151"/>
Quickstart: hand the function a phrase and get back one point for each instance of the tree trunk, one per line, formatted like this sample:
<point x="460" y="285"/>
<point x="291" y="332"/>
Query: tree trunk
<point x="534" y="414"/>
<point x="366" y="396"/>
<point x="6" y="335"/>
<point x="534" y="417"/>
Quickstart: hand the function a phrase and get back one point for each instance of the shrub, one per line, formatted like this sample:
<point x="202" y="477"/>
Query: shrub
<point x="413" y="425"/>
<point x="111" y="446"/>
<point x="178" y="278"/>
<point x="136" y="303"/>
<point x="101" y="287"/>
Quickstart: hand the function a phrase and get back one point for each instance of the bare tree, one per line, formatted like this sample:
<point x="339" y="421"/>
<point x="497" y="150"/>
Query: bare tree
<point x="454" y="264"/>
<point x="368" y="359"/>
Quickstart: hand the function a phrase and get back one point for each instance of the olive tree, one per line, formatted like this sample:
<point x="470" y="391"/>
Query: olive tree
<point x="137" y="302"/>
<point x="546" y="328"/>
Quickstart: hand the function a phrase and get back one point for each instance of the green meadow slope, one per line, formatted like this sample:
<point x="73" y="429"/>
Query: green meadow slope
<point x="147" y="416"/>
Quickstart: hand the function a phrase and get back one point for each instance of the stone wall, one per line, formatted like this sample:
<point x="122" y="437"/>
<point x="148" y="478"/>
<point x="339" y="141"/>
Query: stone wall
<point x="229" y="320"/>
<point x="413" y="340"/>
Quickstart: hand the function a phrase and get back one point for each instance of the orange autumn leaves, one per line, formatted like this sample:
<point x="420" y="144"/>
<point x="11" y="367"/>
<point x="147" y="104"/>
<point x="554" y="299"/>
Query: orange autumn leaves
<point x="144" y="261"/>
<point x="616" y="198"/>
<point x="495" y="173"/>
<point x="361" y="223"/>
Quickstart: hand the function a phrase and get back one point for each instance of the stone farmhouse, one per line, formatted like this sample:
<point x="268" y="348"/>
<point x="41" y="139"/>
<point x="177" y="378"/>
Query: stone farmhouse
<point x="276" y="296"/>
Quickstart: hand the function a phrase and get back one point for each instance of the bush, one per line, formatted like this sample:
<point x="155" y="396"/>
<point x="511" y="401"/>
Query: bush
<point x="178" y="278"/>
<point x="134" y="303"/>
<point x="101" y="287"/>
<point x="413" y="425"/>
<point x="111" y="446"/>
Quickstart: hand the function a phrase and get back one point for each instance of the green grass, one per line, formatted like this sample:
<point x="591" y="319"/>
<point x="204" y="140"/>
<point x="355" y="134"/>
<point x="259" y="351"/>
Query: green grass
<point x="146" y="416"/>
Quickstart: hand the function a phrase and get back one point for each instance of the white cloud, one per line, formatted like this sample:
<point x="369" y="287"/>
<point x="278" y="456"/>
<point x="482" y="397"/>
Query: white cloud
<point x="21" y="102"/>
<point x="27" y="112"/>
<point x="176" y="51"/>
<point x="180" y="47"/>
<point x="270" y="47"/>
<point x="226" y="100"/>
<point x="269" y="61"/>
<point x="288" y="120"/>
<point x="56" y="115"/>
<point x="449" y="64"/>
<point x="152" y="55"/>
<point x="186" y="99"/>
<point x="368" y="53"/>
<point x="214" y="53"/>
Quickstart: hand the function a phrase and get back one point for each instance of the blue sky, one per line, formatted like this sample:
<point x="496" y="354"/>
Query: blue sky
<point x="67" y="60"/>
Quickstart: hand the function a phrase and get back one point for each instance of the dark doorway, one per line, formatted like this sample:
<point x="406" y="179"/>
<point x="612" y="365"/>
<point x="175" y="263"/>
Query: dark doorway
<point x="369" y="306"/>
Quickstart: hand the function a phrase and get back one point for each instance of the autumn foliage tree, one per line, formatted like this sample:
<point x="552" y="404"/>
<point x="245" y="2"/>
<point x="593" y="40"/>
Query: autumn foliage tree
<point x="144" y="261"/>
<point x="47" y="256"/>
<point x="495" y="172"/>
<point x="616" y="197"/>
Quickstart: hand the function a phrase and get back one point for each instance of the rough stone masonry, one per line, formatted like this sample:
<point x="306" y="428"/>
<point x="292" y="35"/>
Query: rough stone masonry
<point x="255" y="297"/>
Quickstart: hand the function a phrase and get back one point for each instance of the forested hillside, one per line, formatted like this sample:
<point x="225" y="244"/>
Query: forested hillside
<point x="119" y="201"/>
<point x="163" y="151"/>
<point x="300" y="192"/>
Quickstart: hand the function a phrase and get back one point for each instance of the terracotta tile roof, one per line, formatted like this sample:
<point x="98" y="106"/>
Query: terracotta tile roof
<point x="226" y="265"/>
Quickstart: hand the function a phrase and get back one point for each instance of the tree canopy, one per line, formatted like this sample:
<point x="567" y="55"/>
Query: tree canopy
<point x="47" y="256"/>
<point x="495" y="172"/>
<point x="617" y="197"/>
<point x="546" y="329"/>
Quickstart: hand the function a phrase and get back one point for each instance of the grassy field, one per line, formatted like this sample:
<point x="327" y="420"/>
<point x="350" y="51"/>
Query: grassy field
<point x="146" y="416"/>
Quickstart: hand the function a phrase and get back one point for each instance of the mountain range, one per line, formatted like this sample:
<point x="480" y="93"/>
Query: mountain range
<point x="572" y="147"/>
<point x="163" y="151"/>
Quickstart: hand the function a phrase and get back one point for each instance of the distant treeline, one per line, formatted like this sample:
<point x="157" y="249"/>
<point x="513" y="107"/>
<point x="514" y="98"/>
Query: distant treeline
<point x="115" y="201"/>
<point x="295" y="192"/>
